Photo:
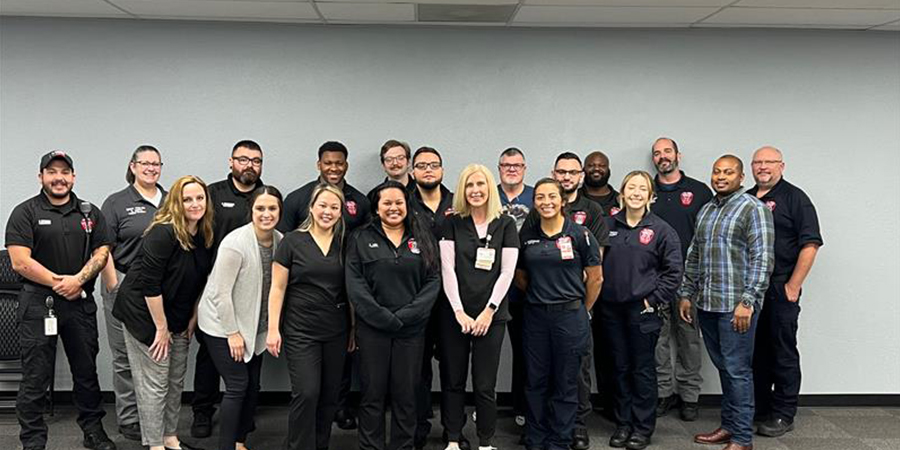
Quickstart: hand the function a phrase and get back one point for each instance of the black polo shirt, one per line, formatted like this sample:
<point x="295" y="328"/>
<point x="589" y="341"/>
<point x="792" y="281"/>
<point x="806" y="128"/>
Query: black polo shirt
<point x="296" y="207"/>
<point x="476" y="285"/>
<point x="641" y="262"/>
<point x="607" y="202"/>
<point x="581" y="211"/>
<point x="57" y="235"/>
<point x="434" y="220"/>
<point x="678" y="204"/>
<point x="552" y="279"/>
<point x="232" y="208"/>
<point x="128" y="214"/>
<point x="796" y="224"/>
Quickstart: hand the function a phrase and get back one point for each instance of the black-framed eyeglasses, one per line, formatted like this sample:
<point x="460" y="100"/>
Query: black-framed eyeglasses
<point x="147" y="164"/>
<point x="570" y="173"/>
<point x="243" y="160"/>
<point x="516" y="167"/>
<point x="424" y="166"/>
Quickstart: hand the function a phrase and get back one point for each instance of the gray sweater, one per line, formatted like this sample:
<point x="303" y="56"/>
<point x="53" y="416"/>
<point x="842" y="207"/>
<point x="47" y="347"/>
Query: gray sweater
<point x="231" y="300"/>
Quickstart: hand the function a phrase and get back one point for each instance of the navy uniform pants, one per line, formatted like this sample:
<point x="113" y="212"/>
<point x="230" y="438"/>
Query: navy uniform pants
<point x="776" y="360"/>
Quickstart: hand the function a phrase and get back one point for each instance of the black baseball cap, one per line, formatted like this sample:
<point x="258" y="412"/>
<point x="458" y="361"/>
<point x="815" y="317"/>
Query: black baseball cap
<point x="54" y="155"/>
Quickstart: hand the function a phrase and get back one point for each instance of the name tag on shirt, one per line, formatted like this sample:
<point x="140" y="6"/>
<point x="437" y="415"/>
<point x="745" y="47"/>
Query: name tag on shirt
<point x="484" y="258"/>
<point x="228" y="204"/>
<point x="44" y="222"/>
<point x="564" y="244"/>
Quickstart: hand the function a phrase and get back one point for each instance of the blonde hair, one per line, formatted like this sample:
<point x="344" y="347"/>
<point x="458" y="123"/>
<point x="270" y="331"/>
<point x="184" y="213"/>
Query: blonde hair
<point x="308" y="223"/>
<point x="651" y="192"/>
<point x="172" y="212"/>
<point x="461" y="206"/>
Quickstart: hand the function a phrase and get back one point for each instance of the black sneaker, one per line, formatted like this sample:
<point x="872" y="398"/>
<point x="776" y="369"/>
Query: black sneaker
<point x="202" y="426"/>
<point x="666" y="404"/>
<point x="690" y="411"/>
<point x="774" y="427"/>
<point x="131" y="431"/>
<point x="620" y="437"/>
<point x="345" y="420"/>
<point x="580" y="439"/>
<point x="98" y="440"/>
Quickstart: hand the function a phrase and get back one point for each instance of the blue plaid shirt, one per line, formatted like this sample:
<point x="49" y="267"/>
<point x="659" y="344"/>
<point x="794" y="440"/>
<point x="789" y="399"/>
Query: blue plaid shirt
<point x="732" y="254"/>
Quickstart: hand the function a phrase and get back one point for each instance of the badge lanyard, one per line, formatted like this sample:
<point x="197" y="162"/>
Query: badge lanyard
<point x="50" y="318"/>
<point x="485" y="256"/>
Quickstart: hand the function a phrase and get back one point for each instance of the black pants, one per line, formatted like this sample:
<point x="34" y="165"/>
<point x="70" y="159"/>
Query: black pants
<point x="584" y="385"/>
<point x="431" y="351"/>
<point x="315" y="368"/>
<point x="388" y="365"/>
<point x="514" y="327"/>
<point x="77" y="326"/>
<point x="603" y="366"/>
<point x="241" y="392"/>
<point x="206" y="380"/>
<point x="456" y="348"/>
<point x="632" y="340"/>
<point x="776" y="360"/>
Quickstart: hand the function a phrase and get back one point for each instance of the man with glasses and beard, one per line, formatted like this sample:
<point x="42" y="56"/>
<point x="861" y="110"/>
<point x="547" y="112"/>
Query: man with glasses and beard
<point x="596" y="182"/>
<point x="229" y="199"/>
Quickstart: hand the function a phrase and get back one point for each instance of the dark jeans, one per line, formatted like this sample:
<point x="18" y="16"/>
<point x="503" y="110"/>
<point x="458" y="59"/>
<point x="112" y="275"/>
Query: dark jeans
<point x="77" y="326"/>
<point x="315" y="369"/>
<point x="241" y="391"/>
<point x="632" y="343"/>
<point x="206" y="380"/>
<point x="732" y="354"/>
<point x="554" y="343"/>
<point x="776" y="360"/>
<point x="388" y="365"/>
<point x="456" y="348"/>
<point x="514" y="327"/>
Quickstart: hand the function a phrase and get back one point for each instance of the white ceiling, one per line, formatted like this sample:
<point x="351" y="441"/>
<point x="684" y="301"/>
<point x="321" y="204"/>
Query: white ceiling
<point x="847" y="14"/>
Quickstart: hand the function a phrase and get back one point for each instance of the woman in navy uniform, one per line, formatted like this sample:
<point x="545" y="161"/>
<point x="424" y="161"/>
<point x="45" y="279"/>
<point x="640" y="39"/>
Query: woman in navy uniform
<point x="561" y="275"/>
<point x="643" y="267"/>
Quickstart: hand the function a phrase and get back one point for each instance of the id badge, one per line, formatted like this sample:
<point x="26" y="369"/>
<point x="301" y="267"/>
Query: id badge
<point x="50" y="325"/>
<point x="484" y="258"/>
<point x="565" y="248"/>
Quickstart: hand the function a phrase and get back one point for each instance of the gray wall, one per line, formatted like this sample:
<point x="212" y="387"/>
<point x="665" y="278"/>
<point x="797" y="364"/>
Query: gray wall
<point x="830" y="99"/>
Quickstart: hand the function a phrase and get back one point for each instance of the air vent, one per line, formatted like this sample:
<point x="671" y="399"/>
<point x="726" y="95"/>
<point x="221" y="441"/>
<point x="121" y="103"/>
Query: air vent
<point x="465" y="13"/>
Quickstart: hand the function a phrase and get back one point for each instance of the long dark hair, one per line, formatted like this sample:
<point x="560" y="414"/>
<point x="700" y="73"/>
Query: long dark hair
<point x="129" y="177"/>
<point x="417" y="229"/>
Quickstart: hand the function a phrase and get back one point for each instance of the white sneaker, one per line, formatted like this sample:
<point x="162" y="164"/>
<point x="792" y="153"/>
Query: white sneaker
<point x="489" y="447"/>
<point x="452" y="446"/>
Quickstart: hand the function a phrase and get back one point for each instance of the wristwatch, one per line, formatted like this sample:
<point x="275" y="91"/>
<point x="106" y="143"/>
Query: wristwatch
<point x="492" y="306"/>
<point x="747" y="303"/>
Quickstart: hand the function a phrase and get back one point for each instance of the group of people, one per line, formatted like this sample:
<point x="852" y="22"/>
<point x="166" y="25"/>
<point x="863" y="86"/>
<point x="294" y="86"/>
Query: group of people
<point x="581" y="276"/>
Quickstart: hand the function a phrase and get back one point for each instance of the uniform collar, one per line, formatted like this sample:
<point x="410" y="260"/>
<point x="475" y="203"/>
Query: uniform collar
<point x="237" y="192"/>
<point x="670" y="187"/>
<point x="137" y="197"/>
<point x="648" y="220"/>
<point x="66" y="208"/>
<point x="568" y="229"/>
<point x="772" y="191"/>
<point x="375" y="226"/>
<point x="446" y="198"/>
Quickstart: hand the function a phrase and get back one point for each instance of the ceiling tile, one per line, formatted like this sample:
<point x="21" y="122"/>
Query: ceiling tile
<point x="214" y="9"/>
<point x="634" y="3"/>
<point x="610" y="15"/>
<point x="837" y="4"/>
<point x="795" y="16"/>
<point x="428" y="2"/>
<point x="69" y="8"/>
<point x="368" y="12"/>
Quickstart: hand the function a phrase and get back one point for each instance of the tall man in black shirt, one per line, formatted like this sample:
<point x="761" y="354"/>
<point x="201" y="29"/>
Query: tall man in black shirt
<point x="776" y="360"/>
<point x="58" y="244"/>
<point x="229" y="198"/>
<point x="678" y="200"/>
<point x="596" y="182"/>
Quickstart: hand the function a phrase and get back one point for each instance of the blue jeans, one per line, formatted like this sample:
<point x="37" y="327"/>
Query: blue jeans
<point x="732" y="354"/>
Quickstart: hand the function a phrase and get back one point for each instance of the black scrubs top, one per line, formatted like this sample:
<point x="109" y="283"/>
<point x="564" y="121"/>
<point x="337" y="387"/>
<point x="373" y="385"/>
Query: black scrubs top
<point x="128" y="214"/>
<point x="552" y="279"/>
<point x="796" y="225"/>
<point x="231" y="206"/>
<point x="608" y="202"/>
<point x="296" y="207"/>
<point x="315" y="303"/>
<point x="56" y="234"/>
<point x="433" y="219"/>
<point x="476" y="285"/>
<point x="678" y="204"/>
<point x="583" y="212"/>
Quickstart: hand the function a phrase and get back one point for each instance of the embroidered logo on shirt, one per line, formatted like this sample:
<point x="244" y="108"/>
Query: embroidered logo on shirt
<point x="351" y="207"/>
<point x="532" y="242"/>
<point x="646" y="236"/>
<point x="613" y="233"/>
<point x="413" y="247"/>
<point x="228" y="204"/>
<point x="373" y="245"/>
<point x="87" y="224"/>
<point x="771" y="205"/>
<point x="687" y="198"/>
<point x="132" y="210"/>
<point x="580" y="217"/>
<point x="44" y="222"/>
<point x="449" y="212"/>
<point x="614" y="210"/>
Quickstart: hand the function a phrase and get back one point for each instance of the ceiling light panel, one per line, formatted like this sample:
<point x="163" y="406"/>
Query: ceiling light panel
<point x="610" y="15"/>
<point x="65" y="8"/>
<point x="368" y="12"/>
<point x="213" y="9"/>
<point x="632" y="3"/>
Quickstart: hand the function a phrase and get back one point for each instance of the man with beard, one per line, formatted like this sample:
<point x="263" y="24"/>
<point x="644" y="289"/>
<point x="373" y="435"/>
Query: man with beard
<point x="431" y="203"/>
<point x="776" y="360"/>
<point x="596" y="182"/>
<point x="231" y="210"/>
<point x="678" y="199"/>
<point x="332" y="164"/>
<point x="568" y="172"/>
<point x="395" y="161"/>
<point x="58" y="244"/>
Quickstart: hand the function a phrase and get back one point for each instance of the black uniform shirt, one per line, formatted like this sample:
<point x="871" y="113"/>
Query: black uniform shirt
<point x="232" y="208"/>
<point x="607" y="202"/>
<point x="391" y="288"/>
<point x="57" y="235"/>
<point x="678" y="204"/>
<point x="643" y="262"/>
<point x="476" y="285"/>
<point x="552" y="279"/>
<point x="128" y="214"/>
<point x="315" y="302"/>
<point x="296" y="207"/>
<point x="583" y="212"/>
<point x="435" y="220"/>
<point x="796" y="224"/>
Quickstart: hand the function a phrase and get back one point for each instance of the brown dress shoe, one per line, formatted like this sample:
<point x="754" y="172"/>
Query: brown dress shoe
<point x="719" y="436"/>
<point x="733" y="446"/>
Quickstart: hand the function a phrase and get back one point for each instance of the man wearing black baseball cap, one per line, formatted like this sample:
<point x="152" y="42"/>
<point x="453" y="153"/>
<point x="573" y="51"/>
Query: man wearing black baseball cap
<point x="58" y="244"/>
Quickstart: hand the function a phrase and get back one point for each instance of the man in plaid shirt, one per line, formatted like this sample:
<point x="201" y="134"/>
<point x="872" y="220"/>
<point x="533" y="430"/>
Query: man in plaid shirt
<point x="726" y="275"/>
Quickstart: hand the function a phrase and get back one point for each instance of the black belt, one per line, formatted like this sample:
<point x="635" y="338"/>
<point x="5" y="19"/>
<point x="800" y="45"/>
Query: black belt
<point x="44" y="290"/>
<point x="567" y="306"/>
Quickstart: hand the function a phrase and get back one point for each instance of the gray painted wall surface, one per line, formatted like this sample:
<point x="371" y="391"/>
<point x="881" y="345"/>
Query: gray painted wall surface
<point x="829" y="99"/>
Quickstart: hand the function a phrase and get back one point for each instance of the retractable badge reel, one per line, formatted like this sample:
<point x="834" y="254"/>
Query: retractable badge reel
<point x="50" y="318"/>
<point x="484" y="256"/>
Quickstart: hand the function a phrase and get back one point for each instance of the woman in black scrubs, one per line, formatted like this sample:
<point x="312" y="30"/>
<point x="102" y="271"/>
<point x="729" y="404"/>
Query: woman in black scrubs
<point x="308" y="284"/>
<point x="643" y="268"/>
<point x="393" y="279"/>
<point x="560" y="272"/>
<point x="479" y="250"/>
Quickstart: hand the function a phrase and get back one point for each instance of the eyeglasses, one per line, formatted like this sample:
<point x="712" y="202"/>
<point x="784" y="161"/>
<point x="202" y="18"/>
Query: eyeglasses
<point x="393" y="159"/>
<point x="426" y="166"/>
<point x="243" y="160"/>
<point x="515" y="167"/>
<point x="147" y="164"/>
<point x="769" y="162"/>
<point x="570" y="173"/>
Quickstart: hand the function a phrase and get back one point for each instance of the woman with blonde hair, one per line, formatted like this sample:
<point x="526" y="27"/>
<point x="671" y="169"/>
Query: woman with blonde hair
<point x="479" y="250"/>
<point x="157" y="306"/>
